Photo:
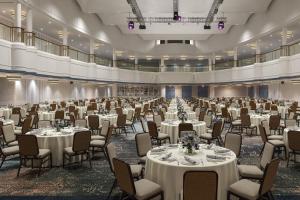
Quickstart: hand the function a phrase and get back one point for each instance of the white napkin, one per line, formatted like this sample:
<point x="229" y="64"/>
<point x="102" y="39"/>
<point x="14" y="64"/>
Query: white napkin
<point x="156" y="150"/>
<point x="166" y="156"/>
<point x="190" y="160"/>
<point x="216" y="157"/>
<point x="221" y="150"/>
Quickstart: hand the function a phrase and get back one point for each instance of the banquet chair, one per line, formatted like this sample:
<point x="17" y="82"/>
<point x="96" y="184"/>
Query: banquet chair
<point x="52" y="107"/>
<point x="119" y="111"/>
<point x="294" y="145"/>
<point x="142" y="189"/>
<point x="29" y="151"/>
<point x="208" y="120"/>
<point x="274" y="123"/>
<point x="246" y="124"/>
<point x="44" y="123"/>
<point x="26" y="126"/>
<point x="162" y="115"/>
<point x="16" y="119"/>
<point x="107" y="105"/>
<point x="234" y="143"/>
<point x="197" y="111"/>
<point x="247" y="189"/>
<point x="130" y="120"/>
<point x="63" y="104"/>
<point x="121" y="124"/>
<point x="136" y="170"/>
<point x="287" y="123"/>
<point x="278" y="144"/>
<point x="144" y="125"/>
<point x="99" y="145"/>
<point x="265" y="124"/>
<point x="1" y="134"/>
<point x="93" y="123"/>
<point x="9" y="136"/>
<point x="201" y="115"/>
<point x="80" y="123"/>
<point x="157" y="119"/>
<point x="143" y="145"/>
<point x="72" y="109"/>
<point x="256" y="172"/>
<point x="200" y="185"/>
<point x="215" y="134"/>
<point x="184" y="127"/>
<point x="155" y="135"/>
<point x="59" y="115"/>
<point x="103" y="131"/>
<point x="244" y="111"/>
<point x="81" y="144"/>
<point x="234" y="124"/>
<point x="137" y="113"/>
<point x="8" y="151"/>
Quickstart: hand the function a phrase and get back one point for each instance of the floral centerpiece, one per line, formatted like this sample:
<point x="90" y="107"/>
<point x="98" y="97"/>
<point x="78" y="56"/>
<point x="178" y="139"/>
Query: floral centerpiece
<point x="182" y="115"/>
<point x="190" y="141"/>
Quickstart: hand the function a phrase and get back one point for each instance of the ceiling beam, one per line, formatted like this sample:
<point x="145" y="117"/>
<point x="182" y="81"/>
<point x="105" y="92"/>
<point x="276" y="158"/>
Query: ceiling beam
<point x="213" y="11"/>
<point x="136" y="11"/>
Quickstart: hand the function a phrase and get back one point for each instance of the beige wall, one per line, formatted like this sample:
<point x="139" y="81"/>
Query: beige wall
<point x="228" y="91"/>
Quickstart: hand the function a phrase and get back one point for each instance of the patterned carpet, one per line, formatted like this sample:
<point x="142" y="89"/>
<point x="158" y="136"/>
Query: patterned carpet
<point x="83" y="183"/>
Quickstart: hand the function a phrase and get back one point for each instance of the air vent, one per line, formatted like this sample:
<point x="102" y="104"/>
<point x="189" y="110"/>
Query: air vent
<point x="190" y="42"/>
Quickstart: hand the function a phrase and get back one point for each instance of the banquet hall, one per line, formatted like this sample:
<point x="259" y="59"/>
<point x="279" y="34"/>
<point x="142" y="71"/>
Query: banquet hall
<point x="149" y="99"/>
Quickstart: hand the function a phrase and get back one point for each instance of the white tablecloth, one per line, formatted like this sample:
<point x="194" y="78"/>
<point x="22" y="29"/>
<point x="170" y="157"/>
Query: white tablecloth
<point x="55" y="141"/>
<point x="169" y="175"/>
<point x="257" y="119"/>
<point x="5" y="112"/>
<point x="173" y="115"/>
<point x="111" y="117"/>
<point x="171" y="128"/>
<point x="45" y="115"/>
<point x="81" y="111"/>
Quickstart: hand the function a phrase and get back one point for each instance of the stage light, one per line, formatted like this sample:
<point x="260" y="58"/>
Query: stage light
<point x="142" y="26"/>
<point x="207" y="27"/>
<point x="175" y="16"/>
<point x="130" y="25"/>
<point x="221" y="25"/>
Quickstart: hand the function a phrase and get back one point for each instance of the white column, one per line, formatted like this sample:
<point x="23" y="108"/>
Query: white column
<point x="210" y="63"/>
<point x="114" y="88"/>
<point x="257" y="51"/>
<point x="162" y="64"/>
<point x="213" y="61"/>
<point x="136" y="62"/>
<point x="114" y="58"/>
<point x="178" y="91"/>
<point x="284" y="48"/>
<point x="18" y="15"/>
<point x="29" y="20"/>
<point x="235" y="57"/>
<point x="163" y="91"/>
<point x="65" y="36"/>
<point x="92" y="51"/>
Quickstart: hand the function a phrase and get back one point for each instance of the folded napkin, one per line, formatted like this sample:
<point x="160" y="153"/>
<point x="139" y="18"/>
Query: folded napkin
<point x="210" y="146"/>
<point x="166" y="156"/>
<point x="173" y="145"/>
<point x="216" y="157"/>
<point x="222" y="150"/>
<point x="158" y="150"/>
<point x="190" y="160"/>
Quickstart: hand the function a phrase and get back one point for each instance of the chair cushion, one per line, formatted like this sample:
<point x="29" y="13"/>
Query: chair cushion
<point x="246" y="189"/>
<point x="275" y="137"/>
<point x="237" y="122"/>
<point x="206" y="136"/>
<point x="209" y="130"/>
<point x="97" y="143"/>
<point x="136" y="170"/>
<point x="97" y="137"/>
<point x="18" y="131"/>
<point x="18" y="127"/>
<point x="145" y="189"/>
<point x="277" y="142"/>
<point x="250" y="171"/>
<point x="162" y="136"/>
<point x="43" y="153"/>
<point x="8" y="151"/>
<point x="14" y="143"/>
<point x="69" y="151"/>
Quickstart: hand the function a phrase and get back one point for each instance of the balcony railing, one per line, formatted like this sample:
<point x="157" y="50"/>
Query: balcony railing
<point x="16" y="34"/>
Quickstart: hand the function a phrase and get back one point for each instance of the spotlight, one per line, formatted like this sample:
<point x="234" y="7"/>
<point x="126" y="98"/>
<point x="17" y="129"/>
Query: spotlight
<point x="179" y="18"/>
<point x="130" y="25"/>
<point x="142" y="26"/>
<point x="207" y="27"/>
<point x="175" y="16"/>
<point x="221" y="25"/>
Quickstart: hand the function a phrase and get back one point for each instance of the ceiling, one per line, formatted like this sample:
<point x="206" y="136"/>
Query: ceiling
<point x="116" y="12"/>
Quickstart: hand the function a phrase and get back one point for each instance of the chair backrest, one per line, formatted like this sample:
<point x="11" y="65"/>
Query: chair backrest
<point x="137" y="112"/>
<point x="265" y="124"/>
<point x="1" y="131"/>
<point x="53" y="107"/>
<point x="119" y="111"/>
<point x="267" y="106"/>
<point x="8" y="133"/>
<point x="93" y="121"/>
<point x="72" y="108"/>
<point x="124" y="176"/>
<point x="44" y="123"/>
<point x="274" y="122"/>
<point x="144" y="125"/>
<point x="290" y="123"/>
<point x="80" y="123"/>
<point x="244" y="111"/>
<point x="28" y="145"/>
<point x="269" y="176"/>
<point x="217" y="129"/>
<point x="143" y="143"/>
<point x="267" y="154"/>
<point x="157" y="120"/>
<point x="81" y="141"/>
<point x="111" y="154"/>
<point x="274" y="107"/>
<point x="59" y="114"/>
<point x="184" y="127"/>
<point x="108" y="135"/>
<point x="208" y="120"/>
<point x="16" y="110"/>
<point x="107" y="105"/>
<point x="201" y="115"/>
<point x="105" y="127"/>
<point x="245" y="120"/>
<point x="130" y="115"/>
<point x="121" y="121"/>
<point x="26" y="127"/>
<point x="15" y="118"/>
<point x="294" y="140"/>
<point x="162" y="115"/>
<point x="200" y="185"/>
<point x="263" y="133"/>
<point x="152" y="129"/>
<point x="197" y="111"/>
<point x="233" y="142"/>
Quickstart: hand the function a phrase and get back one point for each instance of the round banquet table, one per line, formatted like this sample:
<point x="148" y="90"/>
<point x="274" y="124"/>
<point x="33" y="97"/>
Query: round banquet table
<point x="45" y="115"/>
<point x="285" y="135"/>
<point x="48" y="138"/>
<point x="171" y="128"/>
<point x="5" y="112"/>
<point x="257" y="119"/>
<point x="111" y="117"/>
<point x="169" y="174"/>
<point x="172" y="115"/>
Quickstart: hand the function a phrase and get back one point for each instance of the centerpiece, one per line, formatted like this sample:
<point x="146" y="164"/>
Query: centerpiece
<point x="190" y="141"/>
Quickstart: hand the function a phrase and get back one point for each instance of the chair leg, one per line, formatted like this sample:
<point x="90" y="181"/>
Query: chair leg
<point x="19" y="167"/>
<point x="89" y="157"/>
<point x="50" y="160"/>
<point x="228" y="195"/>
<point x="40" y="167"/>
<point x="63" y="160"/>
<point x="111" y="189"/>
<point x="288" y="159"/>
<point x="3" y="159"/>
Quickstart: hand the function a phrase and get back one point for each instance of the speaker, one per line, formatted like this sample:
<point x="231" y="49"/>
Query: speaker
<point x="282" y="82"/>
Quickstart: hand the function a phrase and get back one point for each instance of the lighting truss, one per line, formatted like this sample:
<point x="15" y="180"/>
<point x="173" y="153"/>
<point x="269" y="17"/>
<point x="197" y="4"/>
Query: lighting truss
<point x="213" y="11"/>
<point x="136" y="11"/>
<point x="169" y="20"/>
<point x="175" y="5"/>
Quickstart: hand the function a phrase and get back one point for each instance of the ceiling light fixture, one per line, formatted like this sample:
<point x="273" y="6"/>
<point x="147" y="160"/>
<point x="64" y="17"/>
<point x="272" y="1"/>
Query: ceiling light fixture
<point x="221" y="25"/>
<point x="130" y="25"/>
<point x="13" y="78"/>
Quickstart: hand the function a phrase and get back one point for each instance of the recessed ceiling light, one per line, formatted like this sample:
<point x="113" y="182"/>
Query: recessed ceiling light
<point x="41" y="29"/>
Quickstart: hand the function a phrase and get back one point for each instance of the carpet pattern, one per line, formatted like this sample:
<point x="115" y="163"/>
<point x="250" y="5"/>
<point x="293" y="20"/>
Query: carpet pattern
<point x="78" y="182"/>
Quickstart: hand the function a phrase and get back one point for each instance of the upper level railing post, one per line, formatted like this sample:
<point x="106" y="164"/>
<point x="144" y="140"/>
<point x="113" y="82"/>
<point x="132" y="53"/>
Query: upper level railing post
<point x="257" y="58"/>
<point x="16" y="34"/>
<point x="29" y="38"/>
<point x="64" y="50"/>
<point x="92" y="58"/>
<point x="284" y="51"/>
